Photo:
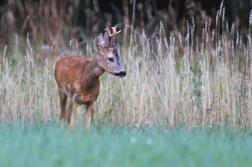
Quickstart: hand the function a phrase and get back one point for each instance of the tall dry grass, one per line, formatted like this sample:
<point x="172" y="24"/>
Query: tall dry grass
<point x="170" y="81"/>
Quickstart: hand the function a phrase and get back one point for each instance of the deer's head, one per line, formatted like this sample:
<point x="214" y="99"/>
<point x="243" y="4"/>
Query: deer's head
<point x="108" y="57"/>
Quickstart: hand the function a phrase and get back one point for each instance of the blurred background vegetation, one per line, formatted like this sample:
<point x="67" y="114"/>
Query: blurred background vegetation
<point x="188" y="62"/>
<point x="53" y="26"/>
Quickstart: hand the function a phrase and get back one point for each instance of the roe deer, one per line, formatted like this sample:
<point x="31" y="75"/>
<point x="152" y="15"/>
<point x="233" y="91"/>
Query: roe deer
<point x="78" y="78"/>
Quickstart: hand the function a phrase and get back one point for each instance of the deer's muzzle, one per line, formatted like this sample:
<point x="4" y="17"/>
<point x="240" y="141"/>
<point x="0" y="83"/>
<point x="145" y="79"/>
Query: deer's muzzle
<point x="121" y="74"/>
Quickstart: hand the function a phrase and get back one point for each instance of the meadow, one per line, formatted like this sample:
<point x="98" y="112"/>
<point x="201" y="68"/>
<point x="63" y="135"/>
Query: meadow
<point x="43" y="144"/>
<point x="170" y="81"/>
<point x="186" y="101"/>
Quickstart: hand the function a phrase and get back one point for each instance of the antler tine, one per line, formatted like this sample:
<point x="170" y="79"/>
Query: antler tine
<point x="114" y="30"/>
<point x="108" y="32"/>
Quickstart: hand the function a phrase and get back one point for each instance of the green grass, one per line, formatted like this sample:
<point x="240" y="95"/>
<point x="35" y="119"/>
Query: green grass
<point x="49" y="145"/>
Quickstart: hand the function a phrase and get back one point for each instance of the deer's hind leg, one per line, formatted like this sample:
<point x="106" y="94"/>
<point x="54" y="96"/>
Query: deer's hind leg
<point x="63" y="100"/>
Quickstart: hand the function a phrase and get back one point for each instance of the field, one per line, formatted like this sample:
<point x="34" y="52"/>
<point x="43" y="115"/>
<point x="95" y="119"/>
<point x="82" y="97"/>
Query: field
<point x="48" y="145"/>
<point x="186" y="101"/>
<point x="168" y="82"/>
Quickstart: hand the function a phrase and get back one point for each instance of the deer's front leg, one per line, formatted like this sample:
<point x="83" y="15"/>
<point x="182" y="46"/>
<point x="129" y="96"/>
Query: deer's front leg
<point x="73" y="114"/>
<point x="90" y="109"/>
<point x="63" y="100"/>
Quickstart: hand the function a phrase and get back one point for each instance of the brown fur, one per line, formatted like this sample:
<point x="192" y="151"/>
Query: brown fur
<point x="74" y="76"/>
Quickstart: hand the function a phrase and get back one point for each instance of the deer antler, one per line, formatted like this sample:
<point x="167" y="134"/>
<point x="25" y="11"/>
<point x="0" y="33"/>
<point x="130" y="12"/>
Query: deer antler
<point x="112" y="36"/>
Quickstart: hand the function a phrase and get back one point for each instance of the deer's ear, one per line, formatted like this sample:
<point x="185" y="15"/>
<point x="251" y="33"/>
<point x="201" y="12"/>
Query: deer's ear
<point x="100" y="43"/>
<point x="106" y="40"/>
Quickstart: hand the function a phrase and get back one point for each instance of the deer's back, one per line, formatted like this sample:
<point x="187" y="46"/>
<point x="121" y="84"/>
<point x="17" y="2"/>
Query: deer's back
<point x="68" y="71"/>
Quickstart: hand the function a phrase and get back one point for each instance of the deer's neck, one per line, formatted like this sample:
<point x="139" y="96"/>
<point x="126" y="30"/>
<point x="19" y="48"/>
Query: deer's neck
<point x="96" y="70"/>
<point x="92" y="73"/>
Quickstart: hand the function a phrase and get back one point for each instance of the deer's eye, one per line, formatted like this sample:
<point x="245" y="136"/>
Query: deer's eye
<point x="111" y="59"/>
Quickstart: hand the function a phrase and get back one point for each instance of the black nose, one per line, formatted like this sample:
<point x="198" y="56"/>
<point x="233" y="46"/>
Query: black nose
<point x="121" y="74"/>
